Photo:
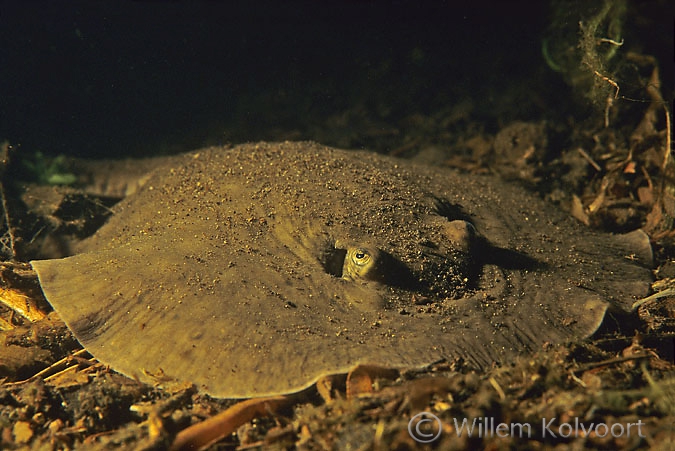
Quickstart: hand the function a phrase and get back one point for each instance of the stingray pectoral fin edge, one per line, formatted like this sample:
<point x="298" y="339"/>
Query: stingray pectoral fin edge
<point x="84" y="319"/>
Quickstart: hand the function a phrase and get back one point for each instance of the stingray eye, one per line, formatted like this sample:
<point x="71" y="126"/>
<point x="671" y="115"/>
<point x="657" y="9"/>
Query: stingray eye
<point x="361" y="257"/>
<point x="360" y="263"/>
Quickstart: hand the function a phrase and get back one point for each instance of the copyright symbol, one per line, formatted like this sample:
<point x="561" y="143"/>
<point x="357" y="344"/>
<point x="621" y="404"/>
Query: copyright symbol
<point x="421" y="427"/>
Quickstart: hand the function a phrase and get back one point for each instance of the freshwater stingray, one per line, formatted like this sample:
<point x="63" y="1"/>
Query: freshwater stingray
<point x="256" y="270"/>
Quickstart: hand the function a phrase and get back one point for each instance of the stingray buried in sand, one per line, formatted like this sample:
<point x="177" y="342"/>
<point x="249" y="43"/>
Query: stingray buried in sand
<point x="256" y="270"/>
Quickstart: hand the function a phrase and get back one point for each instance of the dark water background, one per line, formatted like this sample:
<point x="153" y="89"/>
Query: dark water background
<point x="131" y="78"/>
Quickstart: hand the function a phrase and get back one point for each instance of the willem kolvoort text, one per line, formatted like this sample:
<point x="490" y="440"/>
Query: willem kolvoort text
<point x="487" y="427"/>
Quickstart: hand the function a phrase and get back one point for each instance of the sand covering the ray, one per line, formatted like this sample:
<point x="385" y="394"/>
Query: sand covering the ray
<point x="218" y="271"/>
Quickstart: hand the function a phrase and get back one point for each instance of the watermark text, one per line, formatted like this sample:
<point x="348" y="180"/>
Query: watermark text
<point x="426" y="427"/>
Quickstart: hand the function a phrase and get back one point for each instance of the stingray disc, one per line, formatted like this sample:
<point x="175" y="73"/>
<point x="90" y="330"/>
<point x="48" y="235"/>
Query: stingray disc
<point x="256" y="270"/>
